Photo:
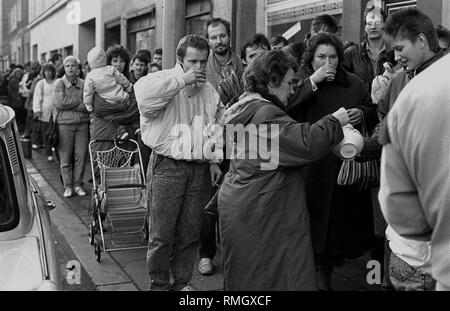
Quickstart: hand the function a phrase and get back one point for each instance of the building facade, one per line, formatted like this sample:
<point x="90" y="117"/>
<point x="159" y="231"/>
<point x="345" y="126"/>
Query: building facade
<point x="36" y="29"/>
<point x="15" y="39"/>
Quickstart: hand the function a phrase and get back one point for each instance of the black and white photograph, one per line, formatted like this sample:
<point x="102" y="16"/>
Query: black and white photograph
<point x="231" y="148"/>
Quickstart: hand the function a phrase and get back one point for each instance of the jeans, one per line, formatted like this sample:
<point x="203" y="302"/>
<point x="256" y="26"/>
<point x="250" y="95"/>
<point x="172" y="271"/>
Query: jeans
<point x="208" y="236"/>
<point x="73" y="144"/>
<point x="406" y="278"/>
<point x="39" y="136"/>
<point x="177" y="198"/>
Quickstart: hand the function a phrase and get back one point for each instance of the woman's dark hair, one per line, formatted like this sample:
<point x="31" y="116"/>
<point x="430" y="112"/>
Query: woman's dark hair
<point x="268" y="67"/>
<point x="323" y="39"/>
<point x="119" y="51"/>
<point x="49" y="67"/>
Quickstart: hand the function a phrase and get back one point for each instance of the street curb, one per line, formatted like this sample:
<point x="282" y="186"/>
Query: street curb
<point x="107" y="274"/>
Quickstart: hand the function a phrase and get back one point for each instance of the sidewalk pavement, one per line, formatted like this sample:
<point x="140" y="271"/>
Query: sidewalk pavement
<point x="126" y="270"/>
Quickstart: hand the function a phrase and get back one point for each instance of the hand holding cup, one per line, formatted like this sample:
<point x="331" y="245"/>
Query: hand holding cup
<point x="195" y="76"/>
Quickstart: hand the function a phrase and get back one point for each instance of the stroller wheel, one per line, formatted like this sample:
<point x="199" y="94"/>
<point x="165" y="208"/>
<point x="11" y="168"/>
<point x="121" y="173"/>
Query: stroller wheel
<point x="91" y="234"/>
<point x="97" y="250"/>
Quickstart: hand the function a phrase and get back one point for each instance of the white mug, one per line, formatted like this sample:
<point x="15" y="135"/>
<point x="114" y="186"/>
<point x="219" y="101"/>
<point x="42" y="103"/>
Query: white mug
<point x="351" y="145"/>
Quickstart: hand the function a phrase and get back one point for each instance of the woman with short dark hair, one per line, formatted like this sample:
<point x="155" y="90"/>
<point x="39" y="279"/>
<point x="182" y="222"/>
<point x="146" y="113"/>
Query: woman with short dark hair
<point x="341" y="217"/>
<point x="264" y="223"/>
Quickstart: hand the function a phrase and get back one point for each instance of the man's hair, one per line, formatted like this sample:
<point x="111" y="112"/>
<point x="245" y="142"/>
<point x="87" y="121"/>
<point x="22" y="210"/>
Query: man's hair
<point x="215" y="21"/>
<point x="55" y="57"/>
<point x="443" y="33"/>
<point x="325" y="22"/>
<point x="371" y="8"/>
<point x="143" y="56"/>
<point x="410" y="23"/>
<point x="27" y="64"/>
<point x="194" y="41"/>
<point x="257" y="40"/>
<point x="279" y="39"/>
<point x="268" y="67"/>
<point x="158" y="51"/>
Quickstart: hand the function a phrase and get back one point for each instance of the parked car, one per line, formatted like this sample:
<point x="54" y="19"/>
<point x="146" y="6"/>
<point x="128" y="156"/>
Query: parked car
<point x="27" y="251"/>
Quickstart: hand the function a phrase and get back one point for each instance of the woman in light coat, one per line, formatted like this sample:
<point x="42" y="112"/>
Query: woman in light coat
<point x="43" y="108"/>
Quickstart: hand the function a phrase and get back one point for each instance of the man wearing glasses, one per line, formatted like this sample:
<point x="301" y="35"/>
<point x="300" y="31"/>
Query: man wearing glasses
<point x="367" y="59"/>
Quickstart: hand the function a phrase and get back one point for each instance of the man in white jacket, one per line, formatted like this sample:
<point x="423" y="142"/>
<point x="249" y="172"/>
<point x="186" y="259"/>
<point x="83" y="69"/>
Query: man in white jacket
<point x="178" y="108"/>
<point x="415" y="179"/>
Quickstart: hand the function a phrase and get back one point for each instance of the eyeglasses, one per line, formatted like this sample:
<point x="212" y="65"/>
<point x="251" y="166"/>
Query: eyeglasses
<point x="373" y="24"/>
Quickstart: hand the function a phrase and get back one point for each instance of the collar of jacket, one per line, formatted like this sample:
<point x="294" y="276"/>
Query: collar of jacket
<point x="428" y="63"/>
<point x="242" y="112"/>
<point x="69" y="84"/>
<point x="365" y="47"/>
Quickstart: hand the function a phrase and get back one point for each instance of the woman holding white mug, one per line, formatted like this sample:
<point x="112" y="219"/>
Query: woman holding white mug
<point x="341" y="217"/>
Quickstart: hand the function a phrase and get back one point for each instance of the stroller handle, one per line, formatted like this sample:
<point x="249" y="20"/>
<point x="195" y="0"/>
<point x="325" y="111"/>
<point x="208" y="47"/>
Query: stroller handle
<point x="127" y="186"/>
<point x="111" y="141"/>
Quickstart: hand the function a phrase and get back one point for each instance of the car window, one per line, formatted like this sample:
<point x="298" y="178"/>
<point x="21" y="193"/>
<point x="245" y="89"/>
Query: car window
<point x="9" y="210"/>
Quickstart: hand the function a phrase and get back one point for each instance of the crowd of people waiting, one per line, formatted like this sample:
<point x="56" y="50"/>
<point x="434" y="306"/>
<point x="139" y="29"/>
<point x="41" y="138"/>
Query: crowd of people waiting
<point x="280" y="229"/>
<point x="56" y="89"/>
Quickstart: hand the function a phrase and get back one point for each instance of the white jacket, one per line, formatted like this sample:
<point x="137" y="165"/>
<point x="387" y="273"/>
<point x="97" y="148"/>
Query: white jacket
<point x="43" y="100"/>
<point x="415" y="166"/>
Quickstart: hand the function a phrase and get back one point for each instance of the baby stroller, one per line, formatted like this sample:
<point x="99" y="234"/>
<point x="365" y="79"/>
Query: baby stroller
<point x="119" y="198"/>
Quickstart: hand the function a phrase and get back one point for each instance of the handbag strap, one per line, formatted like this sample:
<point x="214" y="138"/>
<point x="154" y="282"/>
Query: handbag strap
<point x="364" y="130"/>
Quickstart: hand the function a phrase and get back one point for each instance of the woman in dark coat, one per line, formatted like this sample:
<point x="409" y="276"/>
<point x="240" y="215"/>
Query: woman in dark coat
<point x="264" y="223"/>
<point x="341" y="217"/>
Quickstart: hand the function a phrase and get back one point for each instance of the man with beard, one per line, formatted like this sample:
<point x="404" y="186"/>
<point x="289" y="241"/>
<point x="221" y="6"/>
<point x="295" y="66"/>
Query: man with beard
<point x="222" y="61"/>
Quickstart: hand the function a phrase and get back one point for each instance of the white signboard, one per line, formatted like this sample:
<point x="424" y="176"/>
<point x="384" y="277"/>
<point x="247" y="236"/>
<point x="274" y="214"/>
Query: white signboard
<point x="293" y="31"/>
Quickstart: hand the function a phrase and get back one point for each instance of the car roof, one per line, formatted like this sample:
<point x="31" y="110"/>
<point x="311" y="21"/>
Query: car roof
<point x="6" y="115"/>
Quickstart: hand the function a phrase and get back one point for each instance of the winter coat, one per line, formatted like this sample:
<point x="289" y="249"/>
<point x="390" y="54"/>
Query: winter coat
<point x="14" y="98"/>
<point x="341" y="217"/>
<point x="264" y="223"/>
<point x="69" y="102"/>
<point x="43" y="100"/>
<point x="357" y="61"/>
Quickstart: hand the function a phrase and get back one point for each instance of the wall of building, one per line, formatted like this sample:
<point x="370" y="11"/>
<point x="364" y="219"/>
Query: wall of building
<point x="67" y="26"/>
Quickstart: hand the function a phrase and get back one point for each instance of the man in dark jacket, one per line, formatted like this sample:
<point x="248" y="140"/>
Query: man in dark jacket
<point x="366" y="60"/>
